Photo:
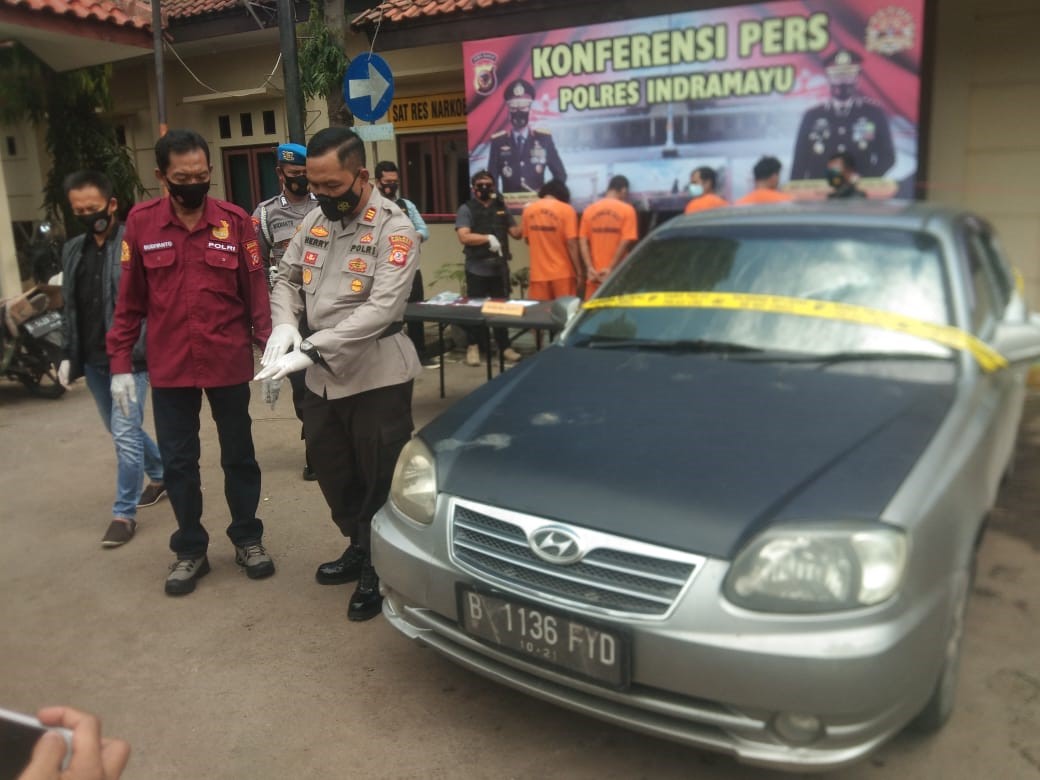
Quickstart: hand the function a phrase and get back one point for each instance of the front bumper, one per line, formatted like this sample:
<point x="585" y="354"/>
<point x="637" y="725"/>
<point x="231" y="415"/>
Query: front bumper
<point x="708" y="675"/>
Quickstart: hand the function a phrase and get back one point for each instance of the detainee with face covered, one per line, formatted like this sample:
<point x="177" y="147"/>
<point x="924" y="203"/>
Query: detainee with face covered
<point x="349" y="271"/>
<point x="90" y="283"/>
<point x="192" y="266"/>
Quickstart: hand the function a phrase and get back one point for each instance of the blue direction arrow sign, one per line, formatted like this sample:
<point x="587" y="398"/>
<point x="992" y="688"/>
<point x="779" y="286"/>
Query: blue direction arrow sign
<point x="368" y="87"/>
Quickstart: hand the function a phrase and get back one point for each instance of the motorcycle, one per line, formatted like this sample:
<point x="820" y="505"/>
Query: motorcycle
<point x="32" y="338"/>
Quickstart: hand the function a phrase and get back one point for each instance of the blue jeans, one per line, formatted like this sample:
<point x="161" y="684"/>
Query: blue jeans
<point x="136" y="453"/>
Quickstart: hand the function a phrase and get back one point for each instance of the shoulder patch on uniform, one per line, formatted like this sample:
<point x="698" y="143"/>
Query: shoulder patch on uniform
<point x="124" y="256"/>
<point x="370" y="214"/>
<point x="500" y="134"/>
<point x="539" y="131"/>
<point x="400" y="246"/>
<point x="252" y="247"/>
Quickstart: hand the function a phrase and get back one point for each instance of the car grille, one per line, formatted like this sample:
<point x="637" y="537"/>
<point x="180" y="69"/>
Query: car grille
<point x="616" y="575"/>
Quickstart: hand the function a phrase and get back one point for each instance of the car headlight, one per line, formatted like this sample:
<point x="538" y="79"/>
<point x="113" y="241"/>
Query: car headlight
<point x="818" y="569"/>
<point x="414" y="488"/>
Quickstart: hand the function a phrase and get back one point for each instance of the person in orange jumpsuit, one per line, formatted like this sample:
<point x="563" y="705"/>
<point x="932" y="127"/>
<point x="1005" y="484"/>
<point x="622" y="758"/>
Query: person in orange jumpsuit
<point x="703" y="182"/>
<point x="550" y="227"/>
<point x="608" y="231"/>
<point x="767" y="184"/>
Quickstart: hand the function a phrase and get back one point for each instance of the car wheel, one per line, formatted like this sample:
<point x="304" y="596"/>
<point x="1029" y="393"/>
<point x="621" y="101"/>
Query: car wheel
<point x="940" y="704"/>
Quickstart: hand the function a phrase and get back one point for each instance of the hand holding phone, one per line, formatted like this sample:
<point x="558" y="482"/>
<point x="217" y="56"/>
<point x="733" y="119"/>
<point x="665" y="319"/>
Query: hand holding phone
<point x="64" y="743"/>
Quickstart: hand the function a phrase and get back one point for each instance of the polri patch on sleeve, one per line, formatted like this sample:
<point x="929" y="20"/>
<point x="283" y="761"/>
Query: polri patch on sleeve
<point x="399" y="248"/>
<point x="252" y="248"/>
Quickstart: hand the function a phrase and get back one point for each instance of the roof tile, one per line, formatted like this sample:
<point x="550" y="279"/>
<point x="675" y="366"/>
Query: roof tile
<point x="122" y="13"/>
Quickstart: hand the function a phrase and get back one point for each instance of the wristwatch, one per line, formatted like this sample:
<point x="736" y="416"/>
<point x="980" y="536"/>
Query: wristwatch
<point x="311" y="351"/>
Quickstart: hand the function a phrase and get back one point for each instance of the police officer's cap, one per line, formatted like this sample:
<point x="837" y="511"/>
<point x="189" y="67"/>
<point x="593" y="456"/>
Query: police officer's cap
<point x="293" y="154"/>
<point x="519" y="94"/>
<point x="843" y="65"/>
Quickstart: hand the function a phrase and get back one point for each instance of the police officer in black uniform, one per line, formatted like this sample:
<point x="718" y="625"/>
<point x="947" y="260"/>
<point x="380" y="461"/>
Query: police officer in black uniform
<point x="520" y="155"/>
<point x="848" y="122"/>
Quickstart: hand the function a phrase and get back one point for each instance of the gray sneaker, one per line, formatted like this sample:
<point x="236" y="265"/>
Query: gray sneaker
<point x="183" y="574"/>
<point x="254" y="559"/>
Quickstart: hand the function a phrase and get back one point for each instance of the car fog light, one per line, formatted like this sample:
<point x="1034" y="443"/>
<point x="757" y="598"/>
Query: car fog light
<point x="796" y="728"/>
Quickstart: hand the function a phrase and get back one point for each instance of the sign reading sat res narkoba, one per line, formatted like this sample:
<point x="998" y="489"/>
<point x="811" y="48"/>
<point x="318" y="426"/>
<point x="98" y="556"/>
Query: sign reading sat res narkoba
<point x="447" y="108"/>
<point x="653" y="98"/>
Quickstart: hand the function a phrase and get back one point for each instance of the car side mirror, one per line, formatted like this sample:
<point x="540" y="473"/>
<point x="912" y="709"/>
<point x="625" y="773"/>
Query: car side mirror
<point x="563" y="309"/>
<point x="1019" y="342"/>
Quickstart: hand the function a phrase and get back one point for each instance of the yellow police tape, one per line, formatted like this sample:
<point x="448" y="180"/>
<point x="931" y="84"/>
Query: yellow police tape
<point x="988" y="358"/>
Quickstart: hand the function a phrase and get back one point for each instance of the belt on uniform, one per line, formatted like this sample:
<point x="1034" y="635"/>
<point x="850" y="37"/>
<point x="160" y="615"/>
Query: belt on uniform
<point x="391" y="329"/>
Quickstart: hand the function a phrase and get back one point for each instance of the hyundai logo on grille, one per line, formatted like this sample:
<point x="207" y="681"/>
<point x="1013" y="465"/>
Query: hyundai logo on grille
<point x="556" y="545"/>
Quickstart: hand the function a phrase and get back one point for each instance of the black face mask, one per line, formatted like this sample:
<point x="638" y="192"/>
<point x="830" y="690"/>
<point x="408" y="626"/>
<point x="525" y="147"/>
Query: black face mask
<point x="340" y="206"/>
<point x="96" y="223"/>
<point x="190" y="196"/>
<point x="483" y="191"/>
<point x="297" y="185"/>
<point x="518" y="119"/>
<point x="835" y="177"/>
<point x="389" y="190"/>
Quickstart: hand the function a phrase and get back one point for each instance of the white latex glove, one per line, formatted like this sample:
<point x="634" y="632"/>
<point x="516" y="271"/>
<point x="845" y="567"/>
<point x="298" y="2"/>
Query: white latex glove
<point x="63" y="373"/>
<point x="271" y="388"/>
<point x="494" y="244"/>
<point x="123" y="391"/>
<point x="285" y="365"/>
<point x="272" y="275"/>
<point x="283" y="338"/>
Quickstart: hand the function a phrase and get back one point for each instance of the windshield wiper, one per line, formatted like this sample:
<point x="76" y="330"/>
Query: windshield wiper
<point x="851" y="356"/>
<point x="702" y="346"/>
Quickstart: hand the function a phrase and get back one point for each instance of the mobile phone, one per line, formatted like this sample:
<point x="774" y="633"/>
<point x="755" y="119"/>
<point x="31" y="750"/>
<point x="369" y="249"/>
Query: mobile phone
<point x="18" y="736"/>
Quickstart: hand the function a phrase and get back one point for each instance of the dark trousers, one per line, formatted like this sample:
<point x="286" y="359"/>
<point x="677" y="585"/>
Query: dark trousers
<point x="176" y="412"/>
<point x="353" y="444"/>
<point x="487" y="287"/>
<point x="417" y="329"/>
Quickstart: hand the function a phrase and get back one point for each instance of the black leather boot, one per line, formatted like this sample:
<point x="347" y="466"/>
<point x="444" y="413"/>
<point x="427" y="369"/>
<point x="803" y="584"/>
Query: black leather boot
<point x="366" y="602"/>
<point x="346" y="568"/>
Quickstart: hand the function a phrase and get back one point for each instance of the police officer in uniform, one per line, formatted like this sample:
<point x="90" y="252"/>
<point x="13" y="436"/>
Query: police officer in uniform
<point x="520" y="155"/>
<point x="848" y="122"/>
<point x="349" y="271"/>
<point x="276" y="220"/>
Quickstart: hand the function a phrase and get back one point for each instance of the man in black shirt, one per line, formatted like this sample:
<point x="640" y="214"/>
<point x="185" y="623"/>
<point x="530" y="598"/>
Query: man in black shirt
<point x="90" y="283"/>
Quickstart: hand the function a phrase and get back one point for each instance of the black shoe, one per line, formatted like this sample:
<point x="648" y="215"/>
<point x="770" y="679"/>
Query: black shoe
<point x="308" y="473"/>
<point x="346" y="568"/>
<point x="366" y="602"/>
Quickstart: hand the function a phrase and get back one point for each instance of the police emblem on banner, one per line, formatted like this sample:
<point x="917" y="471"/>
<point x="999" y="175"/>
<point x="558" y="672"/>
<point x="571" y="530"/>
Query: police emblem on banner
<point x="890" y="30"/>
<point x="485" y="78"/>
<point x="223" y="231"/>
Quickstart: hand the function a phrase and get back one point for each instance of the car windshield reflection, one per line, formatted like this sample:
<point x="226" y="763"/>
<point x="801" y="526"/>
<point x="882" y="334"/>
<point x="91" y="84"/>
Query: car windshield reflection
<point x="898" y="272"/>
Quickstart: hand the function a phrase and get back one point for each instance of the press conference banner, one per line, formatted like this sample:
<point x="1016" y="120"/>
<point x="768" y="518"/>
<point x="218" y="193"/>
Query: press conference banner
<point x="653" y="98"/>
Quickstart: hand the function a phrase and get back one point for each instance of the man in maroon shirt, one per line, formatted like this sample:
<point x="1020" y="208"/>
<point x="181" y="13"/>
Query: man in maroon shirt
<point x="192" y="266"/>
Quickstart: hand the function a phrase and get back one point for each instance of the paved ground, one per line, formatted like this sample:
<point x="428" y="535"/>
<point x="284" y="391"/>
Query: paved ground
<point x="268" y="679"/>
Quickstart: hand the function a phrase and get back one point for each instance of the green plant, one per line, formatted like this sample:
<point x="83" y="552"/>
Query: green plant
<point x="71" y="107"/>
<point x="454" y="273"/>
<point x="323" y="63"/>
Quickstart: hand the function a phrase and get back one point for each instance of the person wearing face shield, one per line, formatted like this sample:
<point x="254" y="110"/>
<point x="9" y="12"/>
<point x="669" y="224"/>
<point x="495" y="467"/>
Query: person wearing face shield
<point x="192" y="266"/>
<point x="276" y="221"/>
<point x="90" y="284"/>
<point x="703" y="181"/>
<point x="842" y="176"/>
<point x="520" y="156"/>
<point x="848" y="122"/>
<point x="352" y="284"/>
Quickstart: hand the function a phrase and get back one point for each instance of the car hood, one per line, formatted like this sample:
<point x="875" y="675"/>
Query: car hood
<point x="693" y="452"/>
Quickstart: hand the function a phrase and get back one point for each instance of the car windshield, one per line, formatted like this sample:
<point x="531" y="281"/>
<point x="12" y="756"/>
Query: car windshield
<point x="886" y="270"/>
